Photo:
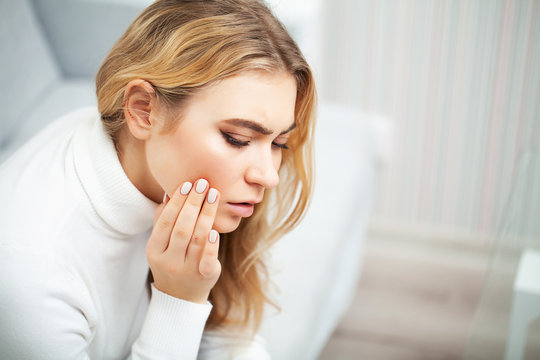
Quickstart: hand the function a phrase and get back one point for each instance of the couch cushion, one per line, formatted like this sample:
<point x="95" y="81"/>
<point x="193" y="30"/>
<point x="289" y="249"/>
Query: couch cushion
<point x="82" y="32"/>
<point x="27" y="65"/>
<point x="60" y="98"/>
<point x="316" y="266"/>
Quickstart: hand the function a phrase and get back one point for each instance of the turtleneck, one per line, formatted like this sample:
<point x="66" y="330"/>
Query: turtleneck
<point x="111" y="198"/>
<point x="73" y="231"/>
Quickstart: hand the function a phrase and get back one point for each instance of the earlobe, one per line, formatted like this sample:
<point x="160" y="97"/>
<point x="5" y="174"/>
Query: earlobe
<point x="139" y="100"/>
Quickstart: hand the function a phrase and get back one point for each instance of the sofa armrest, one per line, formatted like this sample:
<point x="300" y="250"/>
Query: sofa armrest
<point x="27" y="66"/>
<point x="316" y="266"/>
<point x="81" y="32"/>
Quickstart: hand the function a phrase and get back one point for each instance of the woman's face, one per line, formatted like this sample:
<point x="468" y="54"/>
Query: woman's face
<point x="232" y="134"/>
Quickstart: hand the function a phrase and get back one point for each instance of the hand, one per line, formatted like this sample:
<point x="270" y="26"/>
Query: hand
<point x="180" y="251"/>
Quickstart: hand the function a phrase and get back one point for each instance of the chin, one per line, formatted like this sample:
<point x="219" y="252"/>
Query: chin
<point x="226" y="224"/>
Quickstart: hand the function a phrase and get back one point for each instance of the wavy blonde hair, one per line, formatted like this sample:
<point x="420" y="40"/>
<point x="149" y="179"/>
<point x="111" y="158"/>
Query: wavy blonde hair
<point x="182" y="46"/>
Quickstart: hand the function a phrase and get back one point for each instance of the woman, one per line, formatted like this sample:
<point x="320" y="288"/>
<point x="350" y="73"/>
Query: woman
<point x="197" y="159"/>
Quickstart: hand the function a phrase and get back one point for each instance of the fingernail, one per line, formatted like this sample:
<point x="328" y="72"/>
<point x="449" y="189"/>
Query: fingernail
<point x="213" y="236"/>
<point x="185" y="188"/>
<point x="164" y="198"/>
<point x="201" y="185"/>
<point x="212" y="195"/>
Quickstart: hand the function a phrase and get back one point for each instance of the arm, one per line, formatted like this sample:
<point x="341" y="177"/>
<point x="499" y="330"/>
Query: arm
<point x="172" y="327"/>
<point x="47" y="312"/>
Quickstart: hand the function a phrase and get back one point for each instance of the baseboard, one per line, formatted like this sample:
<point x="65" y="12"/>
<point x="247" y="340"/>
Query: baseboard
<point x="442" y="237"/>
<point x="379" y="228"/>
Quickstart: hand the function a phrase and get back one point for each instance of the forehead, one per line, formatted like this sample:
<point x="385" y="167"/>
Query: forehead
<point x="263" y="97"/>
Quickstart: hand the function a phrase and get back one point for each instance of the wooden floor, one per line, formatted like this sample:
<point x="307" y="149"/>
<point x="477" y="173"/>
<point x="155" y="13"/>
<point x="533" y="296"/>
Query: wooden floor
<point x="415" y="300"/>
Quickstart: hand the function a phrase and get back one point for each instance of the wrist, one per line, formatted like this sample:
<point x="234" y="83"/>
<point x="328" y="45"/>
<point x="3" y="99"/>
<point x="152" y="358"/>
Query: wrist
<point x="183" y="296"/>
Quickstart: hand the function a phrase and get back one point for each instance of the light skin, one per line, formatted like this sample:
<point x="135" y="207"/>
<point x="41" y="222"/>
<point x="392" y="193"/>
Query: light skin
<point x="229" y="137"/>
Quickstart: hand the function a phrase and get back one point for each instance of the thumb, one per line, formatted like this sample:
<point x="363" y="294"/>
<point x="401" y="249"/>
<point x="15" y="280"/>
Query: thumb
<point x="160" y="207"/>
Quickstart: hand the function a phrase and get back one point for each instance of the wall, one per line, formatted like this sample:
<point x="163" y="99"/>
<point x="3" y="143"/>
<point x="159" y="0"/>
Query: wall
<point x="461" y="81"/>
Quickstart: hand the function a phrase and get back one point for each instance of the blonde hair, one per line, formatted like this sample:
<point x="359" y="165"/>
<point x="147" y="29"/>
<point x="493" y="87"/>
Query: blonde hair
<point x="182" y="46"/>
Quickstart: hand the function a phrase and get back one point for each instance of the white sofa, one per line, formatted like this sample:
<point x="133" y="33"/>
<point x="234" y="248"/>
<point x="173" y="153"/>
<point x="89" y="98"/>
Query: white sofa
<point x="51" y="50"/>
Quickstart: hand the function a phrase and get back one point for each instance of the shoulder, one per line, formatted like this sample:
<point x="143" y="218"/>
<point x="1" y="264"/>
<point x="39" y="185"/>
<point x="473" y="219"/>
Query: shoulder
<point x="45" y="153"/>
<point x="54" y="131"/>
<point x="35" y="189"/>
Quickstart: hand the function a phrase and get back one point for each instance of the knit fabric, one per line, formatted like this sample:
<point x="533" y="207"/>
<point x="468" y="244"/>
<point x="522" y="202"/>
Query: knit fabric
<point x="73" y="268"/>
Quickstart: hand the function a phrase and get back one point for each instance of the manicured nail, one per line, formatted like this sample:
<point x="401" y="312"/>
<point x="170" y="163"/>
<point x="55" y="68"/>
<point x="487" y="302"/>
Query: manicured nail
<point x="185" y="188"/>
<point x="213" y="236"/>
<point x="212" y="195"/>
<point x="164" y="198"/>
<point x="201" y="185"/>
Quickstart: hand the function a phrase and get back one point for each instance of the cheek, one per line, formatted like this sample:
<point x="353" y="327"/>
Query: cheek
<point x="212" y="159"/>
<point x="215" y="164"/>
<point x="222" y="168"/>
<point x="189" y="159"/>
<point x="278" y="157"/>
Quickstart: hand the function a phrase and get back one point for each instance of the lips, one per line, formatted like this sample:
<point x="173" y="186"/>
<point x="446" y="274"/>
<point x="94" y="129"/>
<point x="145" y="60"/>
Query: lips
<point x="244" y="209"/>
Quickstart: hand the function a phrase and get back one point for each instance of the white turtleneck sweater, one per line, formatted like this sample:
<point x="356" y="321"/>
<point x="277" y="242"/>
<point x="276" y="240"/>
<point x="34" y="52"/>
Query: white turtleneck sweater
<point x="73" y="268"/>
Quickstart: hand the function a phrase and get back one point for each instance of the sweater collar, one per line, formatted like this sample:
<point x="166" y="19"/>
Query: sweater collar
<point x="113" y="200"/>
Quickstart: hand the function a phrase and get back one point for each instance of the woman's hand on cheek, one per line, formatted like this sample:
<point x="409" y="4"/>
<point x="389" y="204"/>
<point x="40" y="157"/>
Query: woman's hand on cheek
<point x="183" y="248"/>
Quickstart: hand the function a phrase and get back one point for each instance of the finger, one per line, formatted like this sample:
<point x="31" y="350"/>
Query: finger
<point x="210" y="266"/>
<point x="203" y="226"/>
<point x="187" y="218"/>
<point x="164" y="224"/>
<point x="160" y="207"/>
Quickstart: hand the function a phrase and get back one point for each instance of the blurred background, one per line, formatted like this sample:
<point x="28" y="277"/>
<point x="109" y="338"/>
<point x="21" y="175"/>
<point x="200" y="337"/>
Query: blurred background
<point x="451" y="267"/>
<point x="460" y="82"/>
<point x="448" y="256"/>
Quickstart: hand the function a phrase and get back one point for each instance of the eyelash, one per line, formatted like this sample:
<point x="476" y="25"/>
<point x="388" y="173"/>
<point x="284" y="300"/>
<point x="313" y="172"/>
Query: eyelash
<point x="237" y="143"/>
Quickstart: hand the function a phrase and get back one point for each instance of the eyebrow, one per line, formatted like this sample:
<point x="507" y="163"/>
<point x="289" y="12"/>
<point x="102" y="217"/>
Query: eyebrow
<point x="255" y="126"/>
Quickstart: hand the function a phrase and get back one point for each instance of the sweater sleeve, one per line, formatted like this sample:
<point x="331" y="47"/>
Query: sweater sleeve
<point x="46" y="312"/>
<point x="172" y="329"/>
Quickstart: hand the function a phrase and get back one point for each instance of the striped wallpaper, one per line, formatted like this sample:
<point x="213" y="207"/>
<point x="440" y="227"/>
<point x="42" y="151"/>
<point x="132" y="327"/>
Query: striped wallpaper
<point x="460" y="79"/>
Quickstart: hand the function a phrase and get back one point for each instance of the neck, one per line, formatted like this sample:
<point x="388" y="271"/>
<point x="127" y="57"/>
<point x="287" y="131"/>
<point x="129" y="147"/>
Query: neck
<point x="132" y="156"/>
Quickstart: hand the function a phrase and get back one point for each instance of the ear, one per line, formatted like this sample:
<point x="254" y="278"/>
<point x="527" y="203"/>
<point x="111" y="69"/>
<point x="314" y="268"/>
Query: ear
<point x="140" y="100"/>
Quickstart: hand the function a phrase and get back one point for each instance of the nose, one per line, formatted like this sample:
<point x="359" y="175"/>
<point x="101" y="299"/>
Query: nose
<point x="263" y="171"/>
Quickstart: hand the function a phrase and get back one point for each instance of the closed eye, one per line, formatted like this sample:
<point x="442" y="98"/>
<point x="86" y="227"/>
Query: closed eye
<point x="239" y="143"/>
<point x="282" y="146"/>
<point x="233" y="141"/>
